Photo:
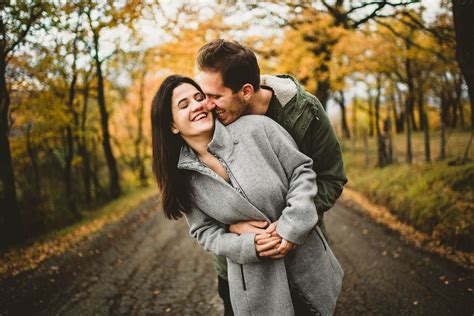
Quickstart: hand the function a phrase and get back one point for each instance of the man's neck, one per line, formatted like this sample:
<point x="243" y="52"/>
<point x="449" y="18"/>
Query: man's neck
<point x="260" y="101"/>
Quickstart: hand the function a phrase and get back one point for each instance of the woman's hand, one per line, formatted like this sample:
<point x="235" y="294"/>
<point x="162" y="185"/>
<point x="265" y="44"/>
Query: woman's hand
<point x="257" y="227"/>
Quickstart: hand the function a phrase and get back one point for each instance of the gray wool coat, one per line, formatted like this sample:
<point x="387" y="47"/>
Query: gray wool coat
<point x="271" y="180"/>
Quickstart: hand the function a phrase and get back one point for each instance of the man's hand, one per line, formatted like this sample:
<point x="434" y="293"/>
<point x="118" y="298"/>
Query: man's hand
<point x="265" y="243"/>
<point x="271" y="229"/>
<point x="275" y="250"/>
<point x="257" y="227"/>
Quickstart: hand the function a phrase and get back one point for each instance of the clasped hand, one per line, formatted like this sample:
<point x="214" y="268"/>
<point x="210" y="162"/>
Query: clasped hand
<point x="267" y="241"/>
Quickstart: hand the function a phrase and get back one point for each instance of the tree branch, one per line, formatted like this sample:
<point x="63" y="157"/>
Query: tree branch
<point x="410" y="41"/>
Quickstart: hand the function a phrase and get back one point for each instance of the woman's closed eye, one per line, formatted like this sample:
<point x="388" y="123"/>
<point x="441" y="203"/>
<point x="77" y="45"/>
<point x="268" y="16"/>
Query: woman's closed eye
<point x="183" y="104"/>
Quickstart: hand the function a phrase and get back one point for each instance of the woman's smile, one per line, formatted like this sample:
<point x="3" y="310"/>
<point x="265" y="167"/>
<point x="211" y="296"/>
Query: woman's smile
<point x="190" y="116"/>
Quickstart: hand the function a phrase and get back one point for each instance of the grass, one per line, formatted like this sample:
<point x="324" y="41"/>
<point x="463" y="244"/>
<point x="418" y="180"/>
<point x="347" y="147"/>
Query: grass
<point x="437" y="198"/>
<point x="31" y="253"/>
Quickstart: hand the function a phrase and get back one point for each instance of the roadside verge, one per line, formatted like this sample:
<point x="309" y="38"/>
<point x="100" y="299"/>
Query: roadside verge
<point x="382" y="215"/>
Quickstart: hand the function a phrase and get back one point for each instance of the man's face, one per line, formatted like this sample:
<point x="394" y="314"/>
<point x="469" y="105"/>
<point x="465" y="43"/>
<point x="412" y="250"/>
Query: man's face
<point x="228" y="105"/>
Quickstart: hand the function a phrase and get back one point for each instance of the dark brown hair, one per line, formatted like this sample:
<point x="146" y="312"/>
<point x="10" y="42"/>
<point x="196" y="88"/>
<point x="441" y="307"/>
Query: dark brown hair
<point x="175" y="193"/>
<point x="236" y="63"/>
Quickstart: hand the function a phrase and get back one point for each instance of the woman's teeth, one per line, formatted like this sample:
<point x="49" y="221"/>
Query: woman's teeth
<point x="200" y="116"/>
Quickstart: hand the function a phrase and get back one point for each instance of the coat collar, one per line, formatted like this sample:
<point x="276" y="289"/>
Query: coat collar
<point x="222" y="144"/>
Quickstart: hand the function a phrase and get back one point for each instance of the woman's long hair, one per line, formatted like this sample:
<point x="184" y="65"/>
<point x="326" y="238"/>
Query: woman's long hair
<point x="175" y="193"/>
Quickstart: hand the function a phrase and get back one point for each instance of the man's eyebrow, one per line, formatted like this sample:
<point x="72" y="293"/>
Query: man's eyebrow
<point x="213" y="95"/>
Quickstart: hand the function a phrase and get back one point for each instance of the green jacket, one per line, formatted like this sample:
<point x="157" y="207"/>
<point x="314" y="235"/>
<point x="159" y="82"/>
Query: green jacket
<point x="303" y="116"/>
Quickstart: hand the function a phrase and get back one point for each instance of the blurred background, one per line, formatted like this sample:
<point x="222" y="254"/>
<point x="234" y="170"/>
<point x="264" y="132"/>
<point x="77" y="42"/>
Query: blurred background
<point x="77" y="79"/>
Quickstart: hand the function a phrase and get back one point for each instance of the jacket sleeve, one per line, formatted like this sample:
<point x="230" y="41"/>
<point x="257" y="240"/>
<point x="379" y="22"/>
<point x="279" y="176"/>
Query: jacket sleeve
<point x="212" y="237"/>
<point x="299" y="216"/>
<point x="321" y="144"/>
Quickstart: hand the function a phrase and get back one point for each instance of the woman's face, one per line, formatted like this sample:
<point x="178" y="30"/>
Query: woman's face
<point x="190" y="118"/>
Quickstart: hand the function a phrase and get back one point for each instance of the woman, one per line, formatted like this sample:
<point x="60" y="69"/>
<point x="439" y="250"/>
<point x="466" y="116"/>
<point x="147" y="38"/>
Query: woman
<point x="250" y="170"/>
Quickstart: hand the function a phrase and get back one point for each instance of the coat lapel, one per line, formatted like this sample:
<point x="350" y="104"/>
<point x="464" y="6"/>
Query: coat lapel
<point x="212" y="189"/>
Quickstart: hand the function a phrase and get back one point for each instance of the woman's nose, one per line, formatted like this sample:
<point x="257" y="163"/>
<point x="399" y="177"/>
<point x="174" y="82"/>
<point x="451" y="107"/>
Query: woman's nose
<point x="198" y="105"/>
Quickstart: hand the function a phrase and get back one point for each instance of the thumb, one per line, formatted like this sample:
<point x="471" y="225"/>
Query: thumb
<point x="283" y="245"/>
<point x="259" y="224"/>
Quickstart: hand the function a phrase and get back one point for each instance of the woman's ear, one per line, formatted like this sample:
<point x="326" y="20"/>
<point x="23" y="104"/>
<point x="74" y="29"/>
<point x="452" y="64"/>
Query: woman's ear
<point x="247" y="91"/>
<point x="174" y="130"/>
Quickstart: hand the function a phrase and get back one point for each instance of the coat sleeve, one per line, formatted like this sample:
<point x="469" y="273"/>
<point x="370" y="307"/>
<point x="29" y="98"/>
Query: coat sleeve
<point x="321" y="144"/>
<point x="214" y="238"/>
<point x="299" y="216"/>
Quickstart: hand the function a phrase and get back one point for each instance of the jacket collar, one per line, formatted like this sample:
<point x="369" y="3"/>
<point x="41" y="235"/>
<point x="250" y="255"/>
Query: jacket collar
<point x="285" y="87"/>
<point x="222" y="144"/>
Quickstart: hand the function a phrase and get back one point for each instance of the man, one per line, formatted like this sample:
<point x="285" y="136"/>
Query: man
<point x="230" y="77"/>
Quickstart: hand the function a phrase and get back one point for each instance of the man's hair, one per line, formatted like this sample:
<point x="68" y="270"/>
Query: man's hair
<point x="236" y="63"/>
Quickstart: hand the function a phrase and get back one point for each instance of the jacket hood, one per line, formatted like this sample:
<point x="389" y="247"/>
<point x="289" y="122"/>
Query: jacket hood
<point x="285" y="87"/>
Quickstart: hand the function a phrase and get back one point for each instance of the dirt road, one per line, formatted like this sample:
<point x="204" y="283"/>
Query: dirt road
<point x="146" y="265"/>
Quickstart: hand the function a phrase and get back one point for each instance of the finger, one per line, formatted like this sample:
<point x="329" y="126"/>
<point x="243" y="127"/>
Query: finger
<point x="267" y="240"/>
<point x="271" y="227"/>
<point x="277" y="256"/>
<point x="284" y="246"/>
<point x="274" y="233"/>
<point x="269" y="253"/>
<point x="259" y="224"/>
<point x="270" y="245"/>
<point x="262" y="236"/>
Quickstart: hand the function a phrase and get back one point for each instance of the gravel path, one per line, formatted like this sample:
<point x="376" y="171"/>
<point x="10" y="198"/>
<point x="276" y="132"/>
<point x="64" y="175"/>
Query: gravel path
<point x="136" y="267"/>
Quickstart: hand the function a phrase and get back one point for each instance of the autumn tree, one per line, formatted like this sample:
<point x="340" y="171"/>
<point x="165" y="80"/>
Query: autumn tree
<point x="17" y="20"/>
<point x="463" y="12"/>
<point x="104" y="16"/>
<point x="343" y="14"/>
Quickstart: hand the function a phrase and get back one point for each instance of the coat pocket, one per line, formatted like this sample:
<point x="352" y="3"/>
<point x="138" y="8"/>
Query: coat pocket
<point x="321" y="238"/>
<point x="243" y="277"/>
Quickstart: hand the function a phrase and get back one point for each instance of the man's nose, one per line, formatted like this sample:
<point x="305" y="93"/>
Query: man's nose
<point x="209" y="104"/>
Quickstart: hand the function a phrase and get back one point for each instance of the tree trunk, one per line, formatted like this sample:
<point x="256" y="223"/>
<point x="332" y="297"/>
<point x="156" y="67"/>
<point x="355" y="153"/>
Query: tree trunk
<point x="381" y="146"/>
<point x="387" y="127"/>
<point x="400" y="122"/>
<point x="463" y="11"/>
<point x="442" y="119"/>
<point x="458" y="97"/>
<point x="114" y="181"/>
<point x="140" y="157"/>
<point x="11" y="229"/>
<point x="71" y="202"/>
<point x="370" y="113"/>
<point x="424" y="122"/>
<point x="355" y="133"/>
<point x="82" y="144"/>
<point x="34" y="162"/>
<point x="323" y="84"/>
<point x="409" y="104"/>
<point x="409" y="112"/>
<point x="98" y="191"/>
<point x="342" y="104"/>
<point x="365" y="139"/>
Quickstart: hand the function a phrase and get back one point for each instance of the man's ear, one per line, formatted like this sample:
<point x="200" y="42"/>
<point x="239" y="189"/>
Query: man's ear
<point x="247" y="91"/>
